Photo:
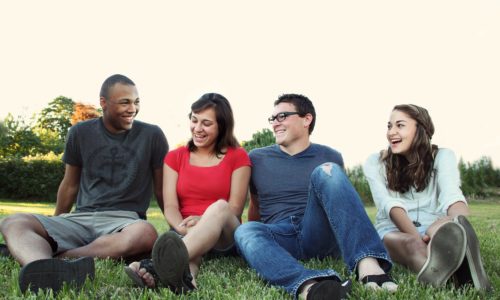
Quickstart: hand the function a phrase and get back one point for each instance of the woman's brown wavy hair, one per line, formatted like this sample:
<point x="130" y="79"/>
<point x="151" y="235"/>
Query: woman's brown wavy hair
<point x="225" y="121"/>
<point x="416" y="171"/>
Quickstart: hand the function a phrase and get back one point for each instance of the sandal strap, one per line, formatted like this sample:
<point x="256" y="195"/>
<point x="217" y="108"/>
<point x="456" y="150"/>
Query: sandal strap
<point x="188" y="281"/>
<point x="378" y="279"/>
<point x="147" y="264"/>
<point x="329" y="289"/>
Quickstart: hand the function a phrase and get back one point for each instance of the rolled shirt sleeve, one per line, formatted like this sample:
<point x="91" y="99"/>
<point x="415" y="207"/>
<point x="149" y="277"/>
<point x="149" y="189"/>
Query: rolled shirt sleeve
<point x="375" y="175"/>
<point x="448" y="180"/>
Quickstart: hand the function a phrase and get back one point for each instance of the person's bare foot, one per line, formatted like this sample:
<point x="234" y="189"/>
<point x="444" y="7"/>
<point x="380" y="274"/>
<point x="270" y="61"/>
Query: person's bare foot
<point x="146" y="278"/>
<point x="373" y="276"/>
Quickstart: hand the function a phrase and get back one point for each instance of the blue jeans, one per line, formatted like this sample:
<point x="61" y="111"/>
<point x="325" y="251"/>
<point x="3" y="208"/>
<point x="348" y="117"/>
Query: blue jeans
<point x="334" y="224"/>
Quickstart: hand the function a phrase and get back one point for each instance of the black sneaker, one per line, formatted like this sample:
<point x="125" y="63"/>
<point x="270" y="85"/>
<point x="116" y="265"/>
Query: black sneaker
<point x="52" y="273"/>
<point x="171" y="262"/>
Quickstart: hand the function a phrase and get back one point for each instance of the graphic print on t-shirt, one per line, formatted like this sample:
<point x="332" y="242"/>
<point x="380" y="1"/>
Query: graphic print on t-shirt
<point x="111" y="168"/>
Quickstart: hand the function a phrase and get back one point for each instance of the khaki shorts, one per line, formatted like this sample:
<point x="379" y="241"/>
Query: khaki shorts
<point x="74" y="230"/>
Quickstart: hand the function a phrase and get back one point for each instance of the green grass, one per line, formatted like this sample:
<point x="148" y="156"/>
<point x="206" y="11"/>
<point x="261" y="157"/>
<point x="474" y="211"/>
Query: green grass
<point x="230" y="278"/>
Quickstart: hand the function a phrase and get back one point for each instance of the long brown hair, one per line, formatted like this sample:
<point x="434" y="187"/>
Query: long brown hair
<point x="416" y="171"/>
<point x="225" y="121"/>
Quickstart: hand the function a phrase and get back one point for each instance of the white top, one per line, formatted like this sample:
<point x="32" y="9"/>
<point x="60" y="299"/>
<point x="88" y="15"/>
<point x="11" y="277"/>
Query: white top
<point x="442" y="191"/>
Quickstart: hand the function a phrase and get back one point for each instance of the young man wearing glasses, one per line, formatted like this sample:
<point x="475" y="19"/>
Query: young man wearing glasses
<point x="303" y="206"/>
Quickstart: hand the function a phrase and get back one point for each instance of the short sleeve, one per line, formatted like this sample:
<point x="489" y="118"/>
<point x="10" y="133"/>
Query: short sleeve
<point x="72" y="155"/>
<point x="160" y="148"/>
<point x="251" y="185"/>
<point x="240" y="158"/>
<point x="173" y="158"/>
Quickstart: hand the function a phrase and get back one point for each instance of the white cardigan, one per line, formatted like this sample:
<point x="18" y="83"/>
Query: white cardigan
<point x="442" y="191"/>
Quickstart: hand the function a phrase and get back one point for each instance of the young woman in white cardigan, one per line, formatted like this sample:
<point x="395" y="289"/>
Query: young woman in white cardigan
<point x="420" y="207"/>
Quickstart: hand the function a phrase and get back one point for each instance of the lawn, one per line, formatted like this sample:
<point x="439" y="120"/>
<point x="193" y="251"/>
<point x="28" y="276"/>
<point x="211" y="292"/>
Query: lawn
<point x="230" y="278"/>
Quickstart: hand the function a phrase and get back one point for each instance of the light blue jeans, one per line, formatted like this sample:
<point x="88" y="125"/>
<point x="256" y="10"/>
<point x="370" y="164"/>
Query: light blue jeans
<point x="334" y="224"/>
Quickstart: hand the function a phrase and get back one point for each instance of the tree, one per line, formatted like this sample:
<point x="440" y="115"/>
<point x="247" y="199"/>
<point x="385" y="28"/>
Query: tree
<point x="82" y="112"/>
<point x="3" y="129"/>
<point x="3" y="136"/>
<point x="359" y="182"/>
<point x="18" y="138"/>
<point x="259" y="139"/>
<point x="57" y="116"/>
<point x="49" y="141"/>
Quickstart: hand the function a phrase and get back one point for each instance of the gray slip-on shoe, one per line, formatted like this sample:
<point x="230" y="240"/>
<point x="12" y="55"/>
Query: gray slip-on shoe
<point x="445" y="254"/>
<point x="171" y="262"/>
<point x="472" y="270"/>
<point x="52" y="273"/>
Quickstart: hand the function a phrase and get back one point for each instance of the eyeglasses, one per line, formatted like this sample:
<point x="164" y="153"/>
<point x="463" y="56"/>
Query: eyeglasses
<point x="281" y="116"/>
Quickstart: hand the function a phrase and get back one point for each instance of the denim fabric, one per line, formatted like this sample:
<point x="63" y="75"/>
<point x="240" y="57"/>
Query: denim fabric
<point x="282" y="181"/>
<point x="334" y="224"/>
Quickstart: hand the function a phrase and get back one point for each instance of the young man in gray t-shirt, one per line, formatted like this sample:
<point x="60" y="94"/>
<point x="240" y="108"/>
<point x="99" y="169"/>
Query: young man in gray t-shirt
<point x="113" y="165"/>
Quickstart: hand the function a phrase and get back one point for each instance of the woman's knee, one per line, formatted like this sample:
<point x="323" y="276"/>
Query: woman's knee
<point x="217" y="209"/>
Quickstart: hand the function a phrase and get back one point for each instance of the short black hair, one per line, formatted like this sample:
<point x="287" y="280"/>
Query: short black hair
<point x="112" y="80"/>
<point x="303" y="105"/>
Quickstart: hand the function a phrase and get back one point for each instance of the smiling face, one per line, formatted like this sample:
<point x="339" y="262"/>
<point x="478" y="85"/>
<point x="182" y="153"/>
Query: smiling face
<point x="204" y="129"/>
<point x="291" y="130"/>
<point x="121" y="107"/>
<point x="401" y="130"/>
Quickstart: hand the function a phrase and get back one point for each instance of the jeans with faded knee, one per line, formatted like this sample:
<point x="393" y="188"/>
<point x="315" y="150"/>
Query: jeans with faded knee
<point x="334" y="224"/>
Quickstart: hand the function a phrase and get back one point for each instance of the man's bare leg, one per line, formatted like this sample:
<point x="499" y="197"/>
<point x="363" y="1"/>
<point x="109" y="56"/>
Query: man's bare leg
<point x="26" y="238"/>
<point x="134" y="239"/>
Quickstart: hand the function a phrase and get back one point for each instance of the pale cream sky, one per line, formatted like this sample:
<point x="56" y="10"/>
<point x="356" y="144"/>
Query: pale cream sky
<point x="354" y="59"/>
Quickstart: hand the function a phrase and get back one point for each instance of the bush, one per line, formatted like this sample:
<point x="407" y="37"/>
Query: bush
<point x="31" y="178"/>
<point x="478" y="177"/>
<point x="262" y="138"/>
<point x="358" y="180"/>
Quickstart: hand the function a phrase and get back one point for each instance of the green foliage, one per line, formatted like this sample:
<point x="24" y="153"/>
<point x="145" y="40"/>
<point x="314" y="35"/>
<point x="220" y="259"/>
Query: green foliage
<point x="3" y="132"/>
<point x="259" y="139"/>
<point x="50" y="141"/>
<point x="33" y="178"/>
<point x="478" y="177"/>
<point x="17" y="138"/>
<point x="358" y="180"/>
<point x="57" y="116"/>
<point x="20" y="137"/>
